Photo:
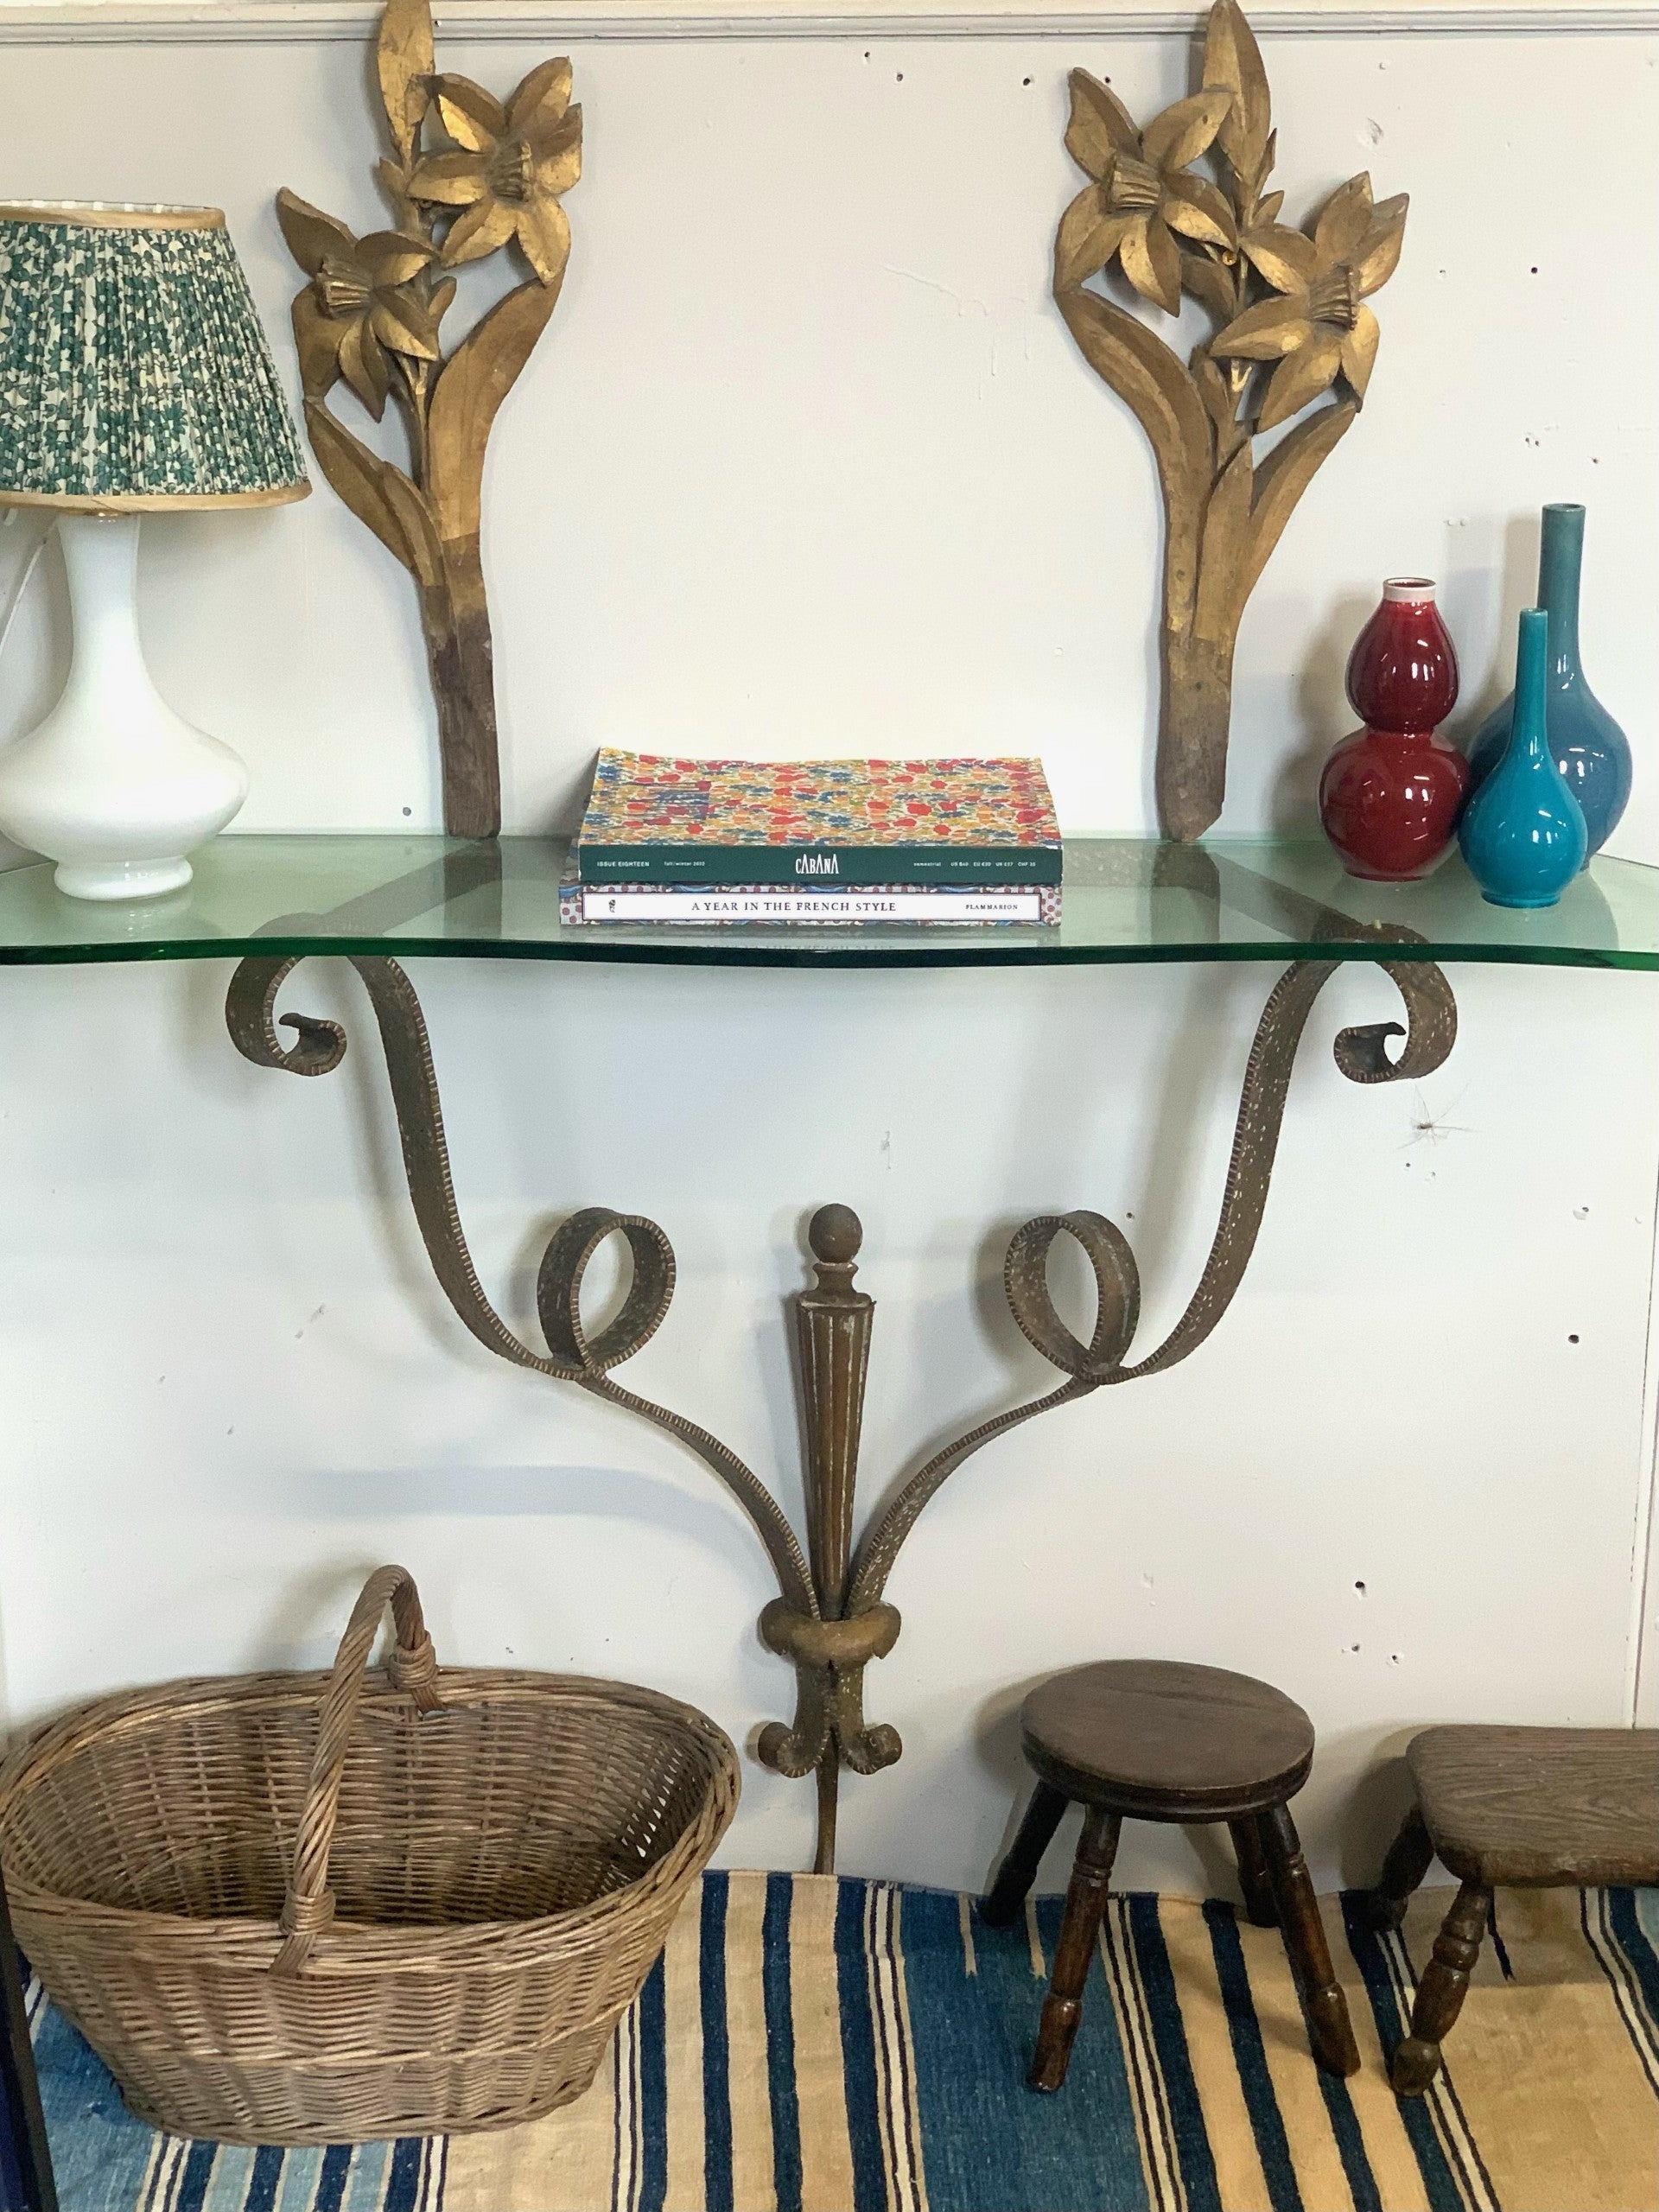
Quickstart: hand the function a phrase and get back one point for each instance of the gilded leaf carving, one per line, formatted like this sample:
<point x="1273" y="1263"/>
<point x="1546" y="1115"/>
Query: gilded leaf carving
<point x="360" y="478"/>
<point x="404" y="61"/>
<point x="1282" y="479"/>
<point x="1179" y="211"/>
<point x="1149" y="379"/>
<point x="470" y="388"/>
<point x="469" y="175"/>
<point x="1232" y="59"/>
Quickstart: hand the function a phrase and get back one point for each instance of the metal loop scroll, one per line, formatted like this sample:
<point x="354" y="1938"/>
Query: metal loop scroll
<point x="1117" y="1292"/>
<point x="572" y="1355"/>
<point x="558" y="1289"/>
<point x="1361" y="1055"/>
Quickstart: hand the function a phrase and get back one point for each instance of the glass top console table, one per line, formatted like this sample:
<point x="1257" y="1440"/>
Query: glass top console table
<point x="270" y="902"/>
<point x="1125" y="900"/>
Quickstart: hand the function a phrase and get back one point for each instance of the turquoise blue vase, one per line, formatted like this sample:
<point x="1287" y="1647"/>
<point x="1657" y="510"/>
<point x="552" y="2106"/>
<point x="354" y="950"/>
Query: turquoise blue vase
<point x="1522" y="834"/>
<point x="1591" y="749"/>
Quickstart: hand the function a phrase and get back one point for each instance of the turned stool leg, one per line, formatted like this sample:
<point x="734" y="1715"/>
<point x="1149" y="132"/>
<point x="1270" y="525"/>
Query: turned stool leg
<point x="1329" y="2031"/>
<point x="1440" y="1993"/>
<point x="1014" y="1876"/>
<point x="1085" y="1901"/>
<point x="1408" y="1859"/>
<point x="1253" y="1876"/>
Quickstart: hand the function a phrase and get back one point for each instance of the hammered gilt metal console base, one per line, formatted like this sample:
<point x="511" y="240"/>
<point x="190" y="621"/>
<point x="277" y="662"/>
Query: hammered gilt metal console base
<point x="831" y="1617"/>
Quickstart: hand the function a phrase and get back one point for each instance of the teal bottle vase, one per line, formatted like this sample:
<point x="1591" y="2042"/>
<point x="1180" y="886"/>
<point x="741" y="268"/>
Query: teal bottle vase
<point x="1523" y="833"/>
<point x="1591" y="749"/>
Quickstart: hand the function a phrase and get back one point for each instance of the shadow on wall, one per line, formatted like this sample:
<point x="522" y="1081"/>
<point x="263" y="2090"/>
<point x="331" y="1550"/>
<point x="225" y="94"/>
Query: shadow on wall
<point x="1324" y="715"/>
<point x="1467" y="602"/>
<point x="1374" y="1809"/>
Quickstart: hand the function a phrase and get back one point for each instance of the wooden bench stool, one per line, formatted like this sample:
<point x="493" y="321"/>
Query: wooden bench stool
<point x="1150" y="1739"/>
<point x="1517" y="1808"/>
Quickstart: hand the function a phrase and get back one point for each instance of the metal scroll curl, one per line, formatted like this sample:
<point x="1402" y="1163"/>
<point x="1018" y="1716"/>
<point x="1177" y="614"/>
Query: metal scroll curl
<point x="1361" y="1053"/>
<point x="572" y="1356"/>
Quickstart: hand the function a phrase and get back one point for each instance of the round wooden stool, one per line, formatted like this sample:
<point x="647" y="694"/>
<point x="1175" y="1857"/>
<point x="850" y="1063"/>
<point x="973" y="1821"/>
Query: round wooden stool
<point x="1150" y="1739"/>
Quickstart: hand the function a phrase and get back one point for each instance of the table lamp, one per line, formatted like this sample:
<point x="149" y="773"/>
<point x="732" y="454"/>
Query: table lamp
<point x="135" y="377"/>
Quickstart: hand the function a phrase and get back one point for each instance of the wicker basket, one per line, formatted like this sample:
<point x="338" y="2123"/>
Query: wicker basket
<point x="329" y="1908"/>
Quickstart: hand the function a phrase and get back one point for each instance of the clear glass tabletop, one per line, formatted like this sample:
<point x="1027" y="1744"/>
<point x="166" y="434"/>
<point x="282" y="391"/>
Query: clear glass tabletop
<point x="1125" y="900"/>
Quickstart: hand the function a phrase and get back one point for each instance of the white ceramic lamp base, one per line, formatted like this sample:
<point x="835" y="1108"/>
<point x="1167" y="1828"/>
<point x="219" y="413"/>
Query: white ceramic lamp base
<point x="114" y="786"/>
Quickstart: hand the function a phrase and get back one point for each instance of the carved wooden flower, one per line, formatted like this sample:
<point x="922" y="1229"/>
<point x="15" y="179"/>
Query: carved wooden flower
<point x="1141" y="192"/>
<point x="357" y="306"/>
<point x="1318" y="329"/>
<point x="515" y="160"/>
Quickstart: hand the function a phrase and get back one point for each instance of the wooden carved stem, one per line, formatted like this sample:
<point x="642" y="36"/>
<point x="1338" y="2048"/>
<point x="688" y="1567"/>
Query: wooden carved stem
<point x="831" y="1617"/>
<point x="455" y="622"/>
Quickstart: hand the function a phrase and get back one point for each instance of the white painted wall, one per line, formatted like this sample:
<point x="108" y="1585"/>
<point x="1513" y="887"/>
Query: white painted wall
<point x="807" y="462"/>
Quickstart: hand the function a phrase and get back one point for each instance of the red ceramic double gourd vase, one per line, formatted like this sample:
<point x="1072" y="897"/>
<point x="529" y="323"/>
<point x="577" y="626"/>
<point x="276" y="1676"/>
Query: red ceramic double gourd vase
<point x="1391" y="794"/>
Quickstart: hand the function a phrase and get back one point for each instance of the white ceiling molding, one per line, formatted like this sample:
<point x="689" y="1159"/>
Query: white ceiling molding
<point x="200" y="22"/>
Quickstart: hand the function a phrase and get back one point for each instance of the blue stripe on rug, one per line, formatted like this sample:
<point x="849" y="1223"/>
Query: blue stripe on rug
<point x="651" y="2122"/>
<point x="262" y="2182"/>
<point x="1250" y="2058"/>
<point x="1443" y="2191"/>
<point x="1350" y="2144"/>
<point x="1076" y="2152"/>
<point x="403" y="2172"/>
<point x="858" y="2051"/>
<point x="192" y="2192"/>
<point x="331" y="2182"/>
<point x="1195" y="2159"/>
<point x="717" y="2057"/>
<point x="781" y="2044"/>
<point x="1636" y="1941"/>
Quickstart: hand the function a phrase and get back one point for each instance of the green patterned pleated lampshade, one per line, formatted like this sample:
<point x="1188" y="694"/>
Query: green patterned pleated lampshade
<point x="134" y="370"/>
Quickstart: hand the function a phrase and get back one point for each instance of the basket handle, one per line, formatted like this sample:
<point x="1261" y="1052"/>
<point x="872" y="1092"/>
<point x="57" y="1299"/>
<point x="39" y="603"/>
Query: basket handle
<point x="308" y="1905"/>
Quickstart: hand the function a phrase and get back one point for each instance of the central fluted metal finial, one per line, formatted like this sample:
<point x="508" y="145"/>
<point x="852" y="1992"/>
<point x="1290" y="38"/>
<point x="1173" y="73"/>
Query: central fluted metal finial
<point x="835" y="1233"/>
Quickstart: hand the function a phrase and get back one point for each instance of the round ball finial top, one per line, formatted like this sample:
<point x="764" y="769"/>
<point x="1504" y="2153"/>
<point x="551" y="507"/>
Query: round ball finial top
<point x="834" y="1234"/>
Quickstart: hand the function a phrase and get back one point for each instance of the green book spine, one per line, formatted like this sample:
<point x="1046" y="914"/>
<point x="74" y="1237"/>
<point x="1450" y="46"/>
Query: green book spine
<point x="804" y="867"/>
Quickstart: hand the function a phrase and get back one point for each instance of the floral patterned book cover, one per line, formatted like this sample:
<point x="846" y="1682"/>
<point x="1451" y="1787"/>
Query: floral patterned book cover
<point x="967" y="823"/>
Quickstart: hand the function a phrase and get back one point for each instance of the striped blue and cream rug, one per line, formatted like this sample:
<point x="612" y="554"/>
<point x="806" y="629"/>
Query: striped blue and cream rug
<point x="816" y="2045"/>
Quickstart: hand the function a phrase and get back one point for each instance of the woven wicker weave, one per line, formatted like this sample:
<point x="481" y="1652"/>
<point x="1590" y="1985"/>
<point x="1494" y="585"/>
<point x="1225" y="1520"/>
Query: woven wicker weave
<point x="331" y="1908"/>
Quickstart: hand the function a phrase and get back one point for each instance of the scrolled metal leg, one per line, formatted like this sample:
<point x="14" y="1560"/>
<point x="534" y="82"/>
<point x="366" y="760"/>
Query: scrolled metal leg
<point x="1361" y="1055"/>
<point x="830" y="1619"/>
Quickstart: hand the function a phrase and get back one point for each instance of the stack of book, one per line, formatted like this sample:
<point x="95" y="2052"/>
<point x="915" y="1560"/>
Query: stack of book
<point x="707" y="842"/>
